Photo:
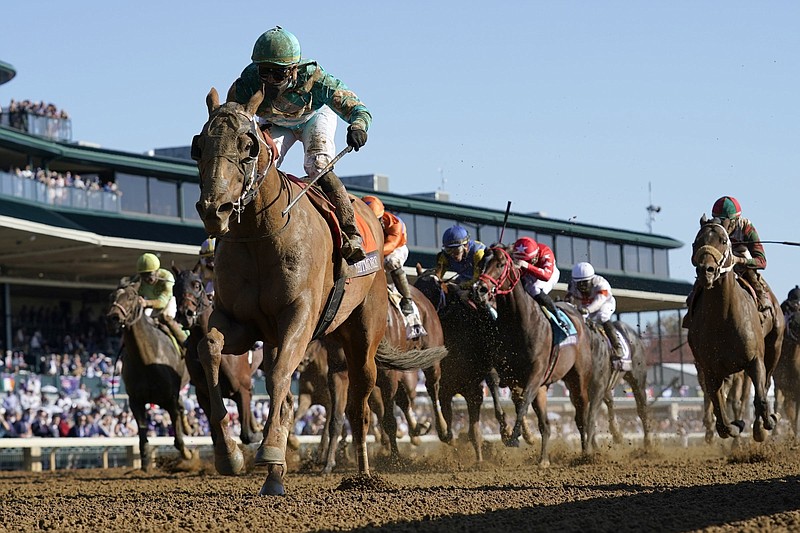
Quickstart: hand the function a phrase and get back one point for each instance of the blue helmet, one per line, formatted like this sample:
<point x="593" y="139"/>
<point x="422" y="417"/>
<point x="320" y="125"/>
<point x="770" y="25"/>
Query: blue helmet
<point x="455" y="236"/>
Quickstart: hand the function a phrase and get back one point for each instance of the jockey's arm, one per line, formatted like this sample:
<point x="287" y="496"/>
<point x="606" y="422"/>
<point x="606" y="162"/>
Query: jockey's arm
<point x="441" y="265"/>
<point x="600" y="298"/>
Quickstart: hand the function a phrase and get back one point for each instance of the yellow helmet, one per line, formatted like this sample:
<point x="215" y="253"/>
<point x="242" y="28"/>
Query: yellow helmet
<point x="208" y="246"/>
<point x="147" y="263"/>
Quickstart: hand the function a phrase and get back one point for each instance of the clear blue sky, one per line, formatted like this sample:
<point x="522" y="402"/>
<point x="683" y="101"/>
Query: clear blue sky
<point x="570" y="108"/>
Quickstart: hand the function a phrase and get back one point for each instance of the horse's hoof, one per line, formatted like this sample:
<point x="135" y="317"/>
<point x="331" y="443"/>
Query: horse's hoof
<point x="187" y="455"/>
<point x="415" y="441"/>
<point x="759" y="435"/>
<point x="273" y="485"/>
<point x="424" y="429"/>
<point x="231" y="464"/>
<point x="771" y="422"/>
<point x="739" y="424"/>
<point x="512" y="443"/>
<point x="709" y="437"/>
<point x="544" y="463"/>
<point x="293" y="442"/>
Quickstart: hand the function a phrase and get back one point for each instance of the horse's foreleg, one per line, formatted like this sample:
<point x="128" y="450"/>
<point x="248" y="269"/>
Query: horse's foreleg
<point x="140" y="415"/>
<point x="432" y="385"/>
<point x="724" y="426"/>
<point x="763" y="419"/>
<point x="540" y="408"/>
<point x="446" y="404"/>
<point x="303" y="405"/>
<point x="639" y="395"/>
<point x="493" y="383"/>
<point x="228" y="459"/>
<point x="474" y="399"/>
<point x="177" y="415"/>
<point x="613" y="426"/>
<point x="527" y="434"/>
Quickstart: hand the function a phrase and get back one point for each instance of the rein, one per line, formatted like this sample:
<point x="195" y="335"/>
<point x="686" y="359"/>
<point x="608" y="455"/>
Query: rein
<point x="509" y="274"/>
<point x="255" y="178"/>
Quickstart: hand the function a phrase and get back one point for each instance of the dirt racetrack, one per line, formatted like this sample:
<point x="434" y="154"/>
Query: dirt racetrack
<point x="622" y="489"/>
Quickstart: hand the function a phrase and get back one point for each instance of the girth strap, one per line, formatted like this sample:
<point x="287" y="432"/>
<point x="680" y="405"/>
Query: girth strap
<point x="331" y="308"/>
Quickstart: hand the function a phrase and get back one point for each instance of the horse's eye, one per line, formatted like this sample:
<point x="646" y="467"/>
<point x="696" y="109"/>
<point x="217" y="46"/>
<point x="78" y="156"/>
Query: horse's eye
<point x="196" y="285"/>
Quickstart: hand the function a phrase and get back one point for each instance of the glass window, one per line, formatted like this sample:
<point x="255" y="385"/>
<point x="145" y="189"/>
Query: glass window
<point x="580" y="250"/>
<point x="541" y="238"/>
<point x="134" y="192"/>
<point x="660" y="263"/>
<point x="471" y="228"/>
<point x="190" y="193"/>
<point x="613" y="256"/>
<point x="630" y="255"/>
<point x="597" y="254"/>
<point x="163" y="197"/>
<point x="425" y="232"/>
<point x="563" y="251"/>
<point x="645" y="260"/>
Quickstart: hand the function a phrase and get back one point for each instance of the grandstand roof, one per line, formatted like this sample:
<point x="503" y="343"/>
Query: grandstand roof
<point x="7" y="72"/>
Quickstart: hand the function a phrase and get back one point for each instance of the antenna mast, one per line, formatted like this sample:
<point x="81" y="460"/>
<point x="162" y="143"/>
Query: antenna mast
<point x="651" y="209"/>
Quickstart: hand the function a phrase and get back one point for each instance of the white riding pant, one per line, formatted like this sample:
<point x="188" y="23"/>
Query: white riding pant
<point x="605" y="312"/>
<point x="396" y="259"/>
<point x="316" y="134"/>
<point x="170" y="310"/>
<point x="534" y="285"/>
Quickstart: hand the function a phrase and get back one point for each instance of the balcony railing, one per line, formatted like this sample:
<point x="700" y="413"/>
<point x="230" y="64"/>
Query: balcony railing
<point x="36" y="191"/>
<point x="57" y="129"/>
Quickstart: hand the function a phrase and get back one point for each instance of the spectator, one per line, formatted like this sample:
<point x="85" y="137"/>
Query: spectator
<point x="40" y="427"/>
<point x="83" y="426"/>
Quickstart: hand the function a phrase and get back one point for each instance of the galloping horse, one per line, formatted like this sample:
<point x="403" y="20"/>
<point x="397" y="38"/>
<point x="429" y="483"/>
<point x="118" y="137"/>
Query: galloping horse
<point x="274" y="274"/>
<point x="152" y="367"/>
<point x="636" y="377"/>
<point x="787" y="374"/>
<point x="469" y="335"/>
<point x="236" y="371"/>
<point x="726" y="333"/>
<point x="527" y="359"/>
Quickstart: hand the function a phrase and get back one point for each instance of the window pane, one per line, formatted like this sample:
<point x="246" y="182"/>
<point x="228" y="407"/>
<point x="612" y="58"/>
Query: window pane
<point x="580" y="249"/>
<point x="134" y="192"/>
<point x="541" y="238"/>
<point x="425" y="232"/>
<point x="661" y="263"/>
<point x="190" y="193"/>
<point x="471" y="228"/>
<point x="645" y="260"/>
<point x="163" y="197"/>
<point x="631" y="258"/>
<point x="563" y="251"/>
<point x="597" y="254"/>
<point x="613" y="256"/>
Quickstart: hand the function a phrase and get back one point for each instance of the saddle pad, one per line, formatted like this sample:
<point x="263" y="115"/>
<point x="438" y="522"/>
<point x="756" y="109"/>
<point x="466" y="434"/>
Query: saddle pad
<point x="559" y="335"/>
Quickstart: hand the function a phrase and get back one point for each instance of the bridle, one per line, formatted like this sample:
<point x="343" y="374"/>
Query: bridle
<point x="723" y="260"/>
<point x="129" y="316"/>
<point x="197" y="300"/>
<point x="509" y="274"/>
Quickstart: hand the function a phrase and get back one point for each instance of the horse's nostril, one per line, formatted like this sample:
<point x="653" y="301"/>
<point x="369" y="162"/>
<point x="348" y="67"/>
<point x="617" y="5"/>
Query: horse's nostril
<point x="227" y="207"/>
<point x="189" y="313"/>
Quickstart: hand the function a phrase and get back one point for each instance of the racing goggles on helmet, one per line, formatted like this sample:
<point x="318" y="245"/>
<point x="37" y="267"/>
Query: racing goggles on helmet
<point x="274" y="75"/>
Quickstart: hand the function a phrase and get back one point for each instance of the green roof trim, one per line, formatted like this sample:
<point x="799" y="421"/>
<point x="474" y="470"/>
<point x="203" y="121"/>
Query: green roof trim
<point x="7" y="72"/>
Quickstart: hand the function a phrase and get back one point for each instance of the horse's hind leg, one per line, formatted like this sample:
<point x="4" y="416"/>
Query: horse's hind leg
<point x="493" y="383"/>
<point x="178" y="416"/>
<point x="763" y="419"/>
<point x="613" y="427"/>
<point x="140" y="415"/>
<point x="637" y="384"/>
<point x="474" y="399"/>
<point x="527" y="434"/>
<point x="432" y="385"/>
<point x="338" y="382"/>
<point x="387" y="382"/>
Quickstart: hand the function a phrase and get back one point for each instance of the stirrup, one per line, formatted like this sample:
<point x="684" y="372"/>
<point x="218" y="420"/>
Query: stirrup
<point x="406" y="306"/>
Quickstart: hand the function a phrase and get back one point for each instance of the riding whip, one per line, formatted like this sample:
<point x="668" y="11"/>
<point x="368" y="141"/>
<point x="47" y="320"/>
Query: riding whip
<point x="505" y="221"/>
<point x="322" y="172"/>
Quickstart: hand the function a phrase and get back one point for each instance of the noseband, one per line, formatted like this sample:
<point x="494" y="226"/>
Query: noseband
<point x="509" y="274"/>
<point x="198" y="299"/>
<point x="128" y="319"/>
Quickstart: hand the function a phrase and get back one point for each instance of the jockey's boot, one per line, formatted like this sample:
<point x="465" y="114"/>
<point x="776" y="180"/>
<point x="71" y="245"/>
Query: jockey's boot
<point x="616" y="354"/>
<point x="545" y="301"/>
<point x="401" y="282"/>
<point x="177" y="331"/>
<point x="763" y="299"/>
<point x="352" y="250"/>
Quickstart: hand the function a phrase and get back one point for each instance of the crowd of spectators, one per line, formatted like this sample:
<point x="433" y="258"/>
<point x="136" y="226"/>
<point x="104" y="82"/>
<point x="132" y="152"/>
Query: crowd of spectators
<point x="57" y="183"/>
<point x="18" y="112"/>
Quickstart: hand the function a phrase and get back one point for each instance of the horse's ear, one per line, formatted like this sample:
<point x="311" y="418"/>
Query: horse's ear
<point x="197" y="267"/>
<point x="212" y="100"/>
<point x="255" y="101"/>
<point x="175" y="269"/>
<point x="123" y="282"/>
<point x="703" y="219"/>
<point x="420" y="270"/>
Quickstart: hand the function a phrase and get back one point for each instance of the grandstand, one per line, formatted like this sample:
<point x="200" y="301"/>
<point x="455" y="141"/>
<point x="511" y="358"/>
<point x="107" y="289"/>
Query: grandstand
<point x="71" y="245"/>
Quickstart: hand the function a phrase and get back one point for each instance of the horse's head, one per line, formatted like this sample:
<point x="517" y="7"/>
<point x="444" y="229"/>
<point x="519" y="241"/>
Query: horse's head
<point x="230" y="160"/>
<point x="793" y="325"/>
<point x="712" y="255"/>
<point x="190" y="296"/>
<point x="499" y="276"/>
<point x="124" y="308"/>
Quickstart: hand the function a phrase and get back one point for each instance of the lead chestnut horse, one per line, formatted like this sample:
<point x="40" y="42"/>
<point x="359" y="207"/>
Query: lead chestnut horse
<point x="787" y="374"/>
<point x="274" y="274"/>
<point x="152" y="367"/>
<point x="525" y="347"/>
<point x="194" y="308"/>
<point x="726" y="333"/>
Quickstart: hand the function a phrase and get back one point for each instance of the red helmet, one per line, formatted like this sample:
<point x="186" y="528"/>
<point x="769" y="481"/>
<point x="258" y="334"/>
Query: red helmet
<point x="526" y="249"/>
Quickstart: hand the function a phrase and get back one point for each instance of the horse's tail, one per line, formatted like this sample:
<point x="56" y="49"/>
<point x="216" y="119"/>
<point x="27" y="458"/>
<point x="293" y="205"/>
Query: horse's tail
<point x="393" y="358"/>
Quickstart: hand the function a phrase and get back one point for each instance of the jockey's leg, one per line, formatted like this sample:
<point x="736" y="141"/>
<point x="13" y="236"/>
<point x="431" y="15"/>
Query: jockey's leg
<point x="176" y="329"/>
<point x="351" y="245"/>
<point x="611" y="333"/>
<point x="543" y="299"/>
<point x="755" y="279"/>
<point x="401" y="282"/>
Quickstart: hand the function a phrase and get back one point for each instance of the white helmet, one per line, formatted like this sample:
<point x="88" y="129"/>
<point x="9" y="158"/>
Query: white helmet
<point x="582" y="271"/>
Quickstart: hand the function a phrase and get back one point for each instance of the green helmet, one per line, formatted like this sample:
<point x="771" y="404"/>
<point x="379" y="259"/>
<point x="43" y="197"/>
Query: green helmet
<point x="147" y="263"/>
<point x="277" y="47"/>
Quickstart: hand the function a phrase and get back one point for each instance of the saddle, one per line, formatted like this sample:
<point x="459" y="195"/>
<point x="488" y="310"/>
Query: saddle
<point x="413" y="322"/>
<point x="627" y="359"/>
<point x="767" y="314"/>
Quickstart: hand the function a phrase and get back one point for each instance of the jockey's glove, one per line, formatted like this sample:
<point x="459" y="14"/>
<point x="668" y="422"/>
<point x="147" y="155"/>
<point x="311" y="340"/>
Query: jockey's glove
<point x="523" y="265"/>
<point x="739" y="260"/>
<point x="356" y="137"/>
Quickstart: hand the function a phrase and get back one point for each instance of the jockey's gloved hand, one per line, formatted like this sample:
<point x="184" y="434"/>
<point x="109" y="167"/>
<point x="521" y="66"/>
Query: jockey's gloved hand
<point x="519" y="263"/>
<point x="356" y="137"/>
<point x="739" y="260"/>
<point x="582" y="310"/>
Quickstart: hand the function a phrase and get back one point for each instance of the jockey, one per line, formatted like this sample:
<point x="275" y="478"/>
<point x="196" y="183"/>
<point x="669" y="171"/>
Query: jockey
<point x="395" y="251"/>
<point x="155" y="294"/>
<point x="301" y="102"/>
<point x="207" y="264"/>
<point x="748" y="253"/>
<point x="792" y="302"/>
<point x="591" y="293"/>
<point x="460" y="254"/>
<point x="537" y="265"/>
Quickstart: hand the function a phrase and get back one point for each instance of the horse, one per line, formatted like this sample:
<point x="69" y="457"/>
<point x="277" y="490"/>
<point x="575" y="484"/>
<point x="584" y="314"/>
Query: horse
<point x="726" y="333"/>
<point x="787" y="374"/>
<point x="736" y="389"/>
<point x="194" y="308"/>
<point x="469" y="335"/>
<point x="526" y="358"/>
<point x="636" y="377"/>
<point x="153" y="369"/>
<point x="279" y="274"/>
